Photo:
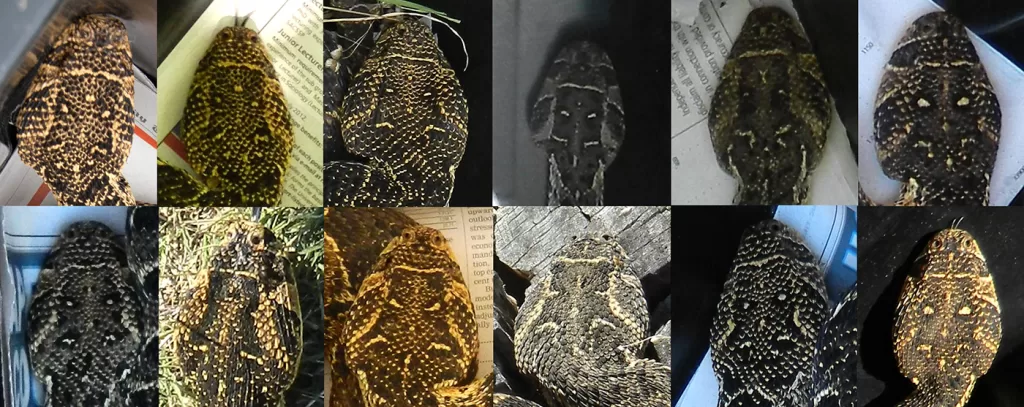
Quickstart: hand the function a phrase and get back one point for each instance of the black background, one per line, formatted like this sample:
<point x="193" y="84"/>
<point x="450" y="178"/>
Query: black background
<point x="638" y="41"/>
<point x="832" y="29"/>
<point x="890" y="239"/>
<point x="706" y="238"/>
<point x="999" y="22"/>
<point x="174" y="18"/>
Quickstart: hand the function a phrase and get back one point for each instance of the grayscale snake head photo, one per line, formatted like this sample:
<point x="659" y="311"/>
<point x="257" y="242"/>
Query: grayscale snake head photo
<point x="581" y="329"/>
<point x="578" y="121"/>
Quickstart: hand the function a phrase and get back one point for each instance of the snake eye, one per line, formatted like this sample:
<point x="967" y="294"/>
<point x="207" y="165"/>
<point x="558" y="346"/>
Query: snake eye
<point x="254" y="239"/>
<point x="437" y="240"/>
<point x="935" y="244"/>
<point x="406" y="236"/>
<point x="224" y="35"/>
<point x="251" y="35"/>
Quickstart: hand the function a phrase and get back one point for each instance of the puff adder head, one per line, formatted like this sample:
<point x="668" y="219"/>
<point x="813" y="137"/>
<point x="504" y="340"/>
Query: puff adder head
<point x="409" y="38"/>
<point x="948" y="320"/>
<point x="931" y="38"/>
<point x="954" y="241"/>
<point x="771" y="234"/>
<point x="95" y="34"/>
<point x="237" y="44"/>
<point x="240" y="336"/>
<point x="254" y="248"/>
<point x="776" y="29"/>
<point x="593" y="246"/>
<point x="422" y="248"/>
<point x="415" y="281"/>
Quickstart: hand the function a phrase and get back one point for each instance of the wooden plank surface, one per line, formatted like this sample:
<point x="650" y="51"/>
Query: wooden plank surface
<point x="526" y="238"/>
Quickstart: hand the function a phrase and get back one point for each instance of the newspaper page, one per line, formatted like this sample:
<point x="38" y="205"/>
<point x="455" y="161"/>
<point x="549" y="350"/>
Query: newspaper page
<point x="292" y="31"/>
<point x="699" y="52"/>
<point x="685" y="11"/>
<point x="830" y="233"/>
<point x="27" y="241"/>
<point x="20" y="185"/>
<point x="470" y="232"/>
<point x="881" y="25"/>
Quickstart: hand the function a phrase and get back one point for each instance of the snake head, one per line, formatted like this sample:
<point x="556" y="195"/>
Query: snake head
<point x="953" y="241"/>
<point x="254" y="249"/>
<point x="95" y="33"/>
<point x="419" y="247"/>
<point x="593" y="246"/>
<point x="234" y="44"/>
<point x="771" y="235"/>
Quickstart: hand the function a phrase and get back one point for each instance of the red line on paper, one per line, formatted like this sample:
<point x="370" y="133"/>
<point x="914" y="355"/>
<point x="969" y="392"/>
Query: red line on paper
<point x="40" y="194"/>
<point x="172" y="141"/>
<point x="145" y="137"/>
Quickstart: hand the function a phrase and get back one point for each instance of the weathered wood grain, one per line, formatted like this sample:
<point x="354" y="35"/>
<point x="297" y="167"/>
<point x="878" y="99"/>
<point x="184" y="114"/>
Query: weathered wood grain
<point x="525" y="238"/>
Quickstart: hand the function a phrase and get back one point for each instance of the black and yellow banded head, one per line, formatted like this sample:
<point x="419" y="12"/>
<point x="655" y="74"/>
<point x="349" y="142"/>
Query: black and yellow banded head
<point x="420" y="247"/>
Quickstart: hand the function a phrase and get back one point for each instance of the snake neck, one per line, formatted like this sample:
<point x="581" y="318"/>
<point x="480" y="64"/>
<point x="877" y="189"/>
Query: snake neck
<point x="952" y="394"/>
<point x="105" y="190"/>
<point x="479" y="392"/>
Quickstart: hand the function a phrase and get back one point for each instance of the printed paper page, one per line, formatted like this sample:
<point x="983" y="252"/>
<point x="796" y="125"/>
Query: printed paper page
<point x="292" y="31"/>
<point x="880" y="25"/>
<point x="20" y="185"/>
<point x="470" y="232"/>
<point x="685" y="11"/>
<point x="699" y="52"/>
